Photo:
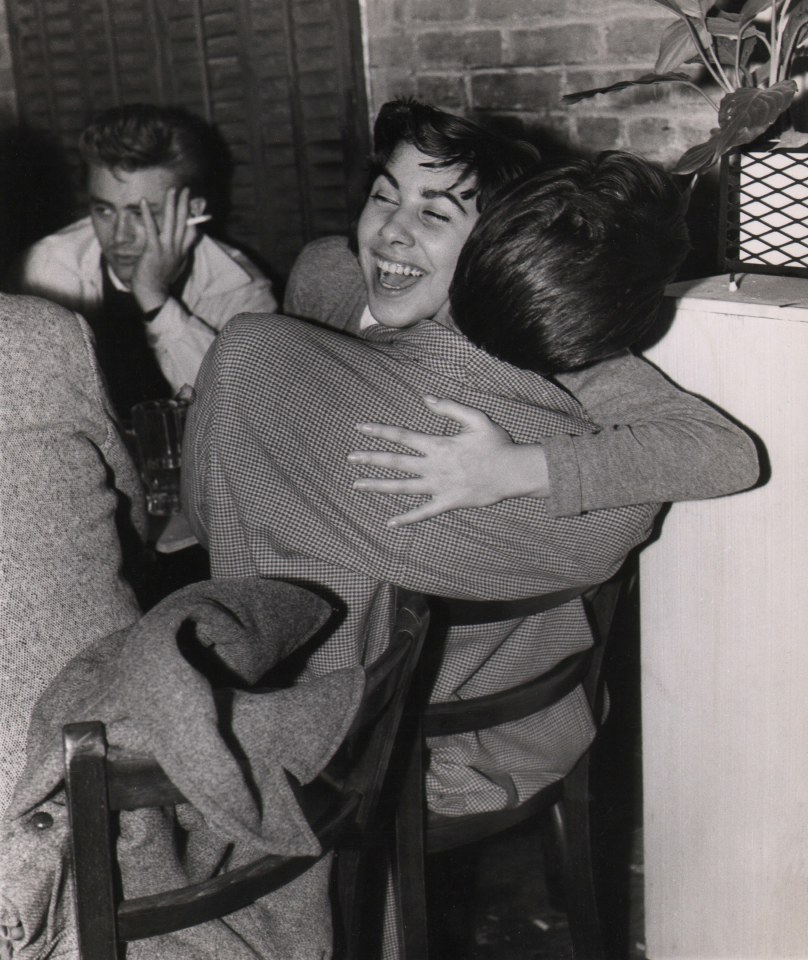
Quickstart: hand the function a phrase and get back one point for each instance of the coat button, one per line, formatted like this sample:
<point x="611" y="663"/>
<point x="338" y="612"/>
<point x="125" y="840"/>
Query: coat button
<point x="41" y="820"/>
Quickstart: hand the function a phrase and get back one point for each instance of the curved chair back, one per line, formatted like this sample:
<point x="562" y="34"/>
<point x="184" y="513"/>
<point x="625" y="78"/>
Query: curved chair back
<point x="419" y="834"/>
<point x="340" y="806"/>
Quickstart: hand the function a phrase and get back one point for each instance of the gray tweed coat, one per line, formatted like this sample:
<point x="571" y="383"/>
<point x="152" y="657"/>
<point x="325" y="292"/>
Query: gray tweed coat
<point x="151" y="685"/>
<point x="63" y="474"/>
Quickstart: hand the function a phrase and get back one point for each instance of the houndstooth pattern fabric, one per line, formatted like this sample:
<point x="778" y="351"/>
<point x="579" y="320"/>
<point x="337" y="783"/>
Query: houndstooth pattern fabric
<point x="268" y="487"/>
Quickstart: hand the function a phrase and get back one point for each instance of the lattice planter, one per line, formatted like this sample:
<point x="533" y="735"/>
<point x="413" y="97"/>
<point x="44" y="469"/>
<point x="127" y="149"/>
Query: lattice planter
<point x="764" y="212"/>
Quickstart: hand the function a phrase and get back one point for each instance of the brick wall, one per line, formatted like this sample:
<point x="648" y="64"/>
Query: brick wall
<point x="516" y="58"/>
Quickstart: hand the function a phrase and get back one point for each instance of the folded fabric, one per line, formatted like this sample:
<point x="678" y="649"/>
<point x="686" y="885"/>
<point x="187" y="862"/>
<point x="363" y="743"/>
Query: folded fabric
<point x="36" y="909"/>
<point x="181" y="685"/>
<point x="145" y="684"/>
<point x="37" y="913"/>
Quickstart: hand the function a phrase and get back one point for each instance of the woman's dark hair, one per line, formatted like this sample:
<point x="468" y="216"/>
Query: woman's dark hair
<point x="568" y="264"/>
<point x="488" y="159"/>
<point x="136" y="136"/>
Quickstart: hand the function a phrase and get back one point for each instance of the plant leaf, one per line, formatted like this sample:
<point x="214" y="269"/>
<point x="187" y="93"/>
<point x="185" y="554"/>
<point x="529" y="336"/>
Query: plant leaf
<point x="675" y="8"/>
<point x="745" y="114"/>
<point x="699" y="158"/>
<point x="756" y="106"/>
<point x="675" y="47"/>
<point x="646" y="79"/>
<point x="694" y="8"/>
<point x="678" y="8"/>
<point x="724" y="25"/>
<point x="726" y="49"/>
<point x="752" y="8"/>
<point x="796" y="19"/>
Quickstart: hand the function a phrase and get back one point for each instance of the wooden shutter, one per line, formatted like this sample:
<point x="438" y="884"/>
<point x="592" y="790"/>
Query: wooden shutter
<point x="282" y="80"/>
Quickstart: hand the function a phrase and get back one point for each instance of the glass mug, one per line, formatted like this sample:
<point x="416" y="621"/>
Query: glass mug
<point x="158" y="426"/>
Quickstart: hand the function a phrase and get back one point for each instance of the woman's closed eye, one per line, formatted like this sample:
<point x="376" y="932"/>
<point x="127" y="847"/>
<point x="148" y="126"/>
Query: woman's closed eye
<point x="383" y="198"/>
<point x="437" y="216"/>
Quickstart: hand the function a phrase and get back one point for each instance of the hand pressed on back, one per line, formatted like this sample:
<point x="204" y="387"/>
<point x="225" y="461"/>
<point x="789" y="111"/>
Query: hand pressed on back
<point x="476" y="467"/>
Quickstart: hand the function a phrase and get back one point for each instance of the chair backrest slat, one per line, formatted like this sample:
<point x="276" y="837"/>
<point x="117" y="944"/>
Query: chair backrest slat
<point x="507" y="706"/>
<point x="197" y="903"/>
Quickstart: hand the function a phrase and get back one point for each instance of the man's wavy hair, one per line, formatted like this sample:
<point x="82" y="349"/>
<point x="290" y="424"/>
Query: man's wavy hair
<point x="487" y="158"/>
<point x="568" y="265"/>
<point x="137" y="136"/>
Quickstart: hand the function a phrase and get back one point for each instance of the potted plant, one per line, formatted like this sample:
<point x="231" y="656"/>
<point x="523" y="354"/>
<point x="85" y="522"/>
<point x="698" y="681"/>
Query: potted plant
<point x="749" y="57"/>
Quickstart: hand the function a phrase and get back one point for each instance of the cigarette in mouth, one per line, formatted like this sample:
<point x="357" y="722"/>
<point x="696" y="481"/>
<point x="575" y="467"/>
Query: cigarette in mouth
<point x="202" y="218"/>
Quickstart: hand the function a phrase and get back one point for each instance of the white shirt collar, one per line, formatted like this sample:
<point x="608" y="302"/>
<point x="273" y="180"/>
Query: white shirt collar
<point x="367" y="319"/>
<point x="118" y="284"/>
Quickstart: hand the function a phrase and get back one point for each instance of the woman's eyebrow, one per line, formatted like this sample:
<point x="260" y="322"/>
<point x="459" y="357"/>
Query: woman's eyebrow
<point x="430" y="194"/>
<point x="384" y="172"/>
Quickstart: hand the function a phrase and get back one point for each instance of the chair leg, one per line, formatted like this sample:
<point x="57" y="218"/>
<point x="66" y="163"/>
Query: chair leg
<point x="86" y="780"/>
<point x="571" y="821"/>
<point x="409" y="868"/>
<point x="348" y="883"/>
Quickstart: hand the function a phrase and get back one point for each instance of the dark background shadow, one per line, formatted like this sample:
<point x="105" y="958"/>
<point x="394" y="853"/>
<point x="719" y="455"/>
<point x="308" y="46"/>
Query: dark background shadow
<point x="37" y="188"/>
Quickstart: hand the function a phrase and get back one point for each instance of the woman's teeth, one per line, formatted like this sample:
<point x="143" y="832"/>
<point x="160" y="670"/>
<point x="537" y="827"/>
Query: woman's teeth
<point x="397" y="276"/>
<point x="401" y="269"/>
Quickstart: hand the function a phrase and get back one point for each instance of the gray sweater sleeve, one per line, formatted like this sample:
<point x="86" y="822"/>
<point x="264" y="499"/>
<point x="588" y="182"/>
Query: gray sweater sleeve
<point x="656" y="443"/>
<point x="326" y="285"/>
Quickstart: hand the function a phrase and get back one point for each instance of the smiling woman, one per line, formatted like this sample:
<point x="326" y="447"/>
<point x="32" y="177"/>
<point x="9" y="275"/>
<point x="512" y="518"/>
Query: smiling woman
<point x="432" y="173"/>
<point x="410" y="234"/>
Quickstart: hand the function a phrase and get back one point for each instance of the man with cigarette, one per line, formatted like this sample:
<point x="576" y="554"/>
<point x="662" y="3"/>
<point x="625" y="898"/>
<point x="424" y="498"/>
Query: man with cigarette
<point x="155" y="289"/>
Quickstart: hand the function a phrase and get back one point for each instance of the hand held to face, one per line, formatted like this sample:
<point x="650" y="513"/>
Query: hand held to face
<point x="166" y="247"/>
<point x="476" y="467"/>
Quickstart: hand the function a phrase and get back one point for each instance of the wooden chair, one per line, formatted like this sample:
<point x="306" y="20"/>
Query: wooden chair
<point x="340" y="805"/>
<point x="567" y="800"/>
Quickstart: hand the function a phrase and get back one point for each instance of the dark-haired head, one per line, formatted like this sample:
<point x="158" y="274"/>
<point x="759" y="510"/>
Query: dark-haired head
<point x="487" y="159"/>
<point x="432" y="174"/>
<point x="139" y="136"/>
<point x="568" y="265"/>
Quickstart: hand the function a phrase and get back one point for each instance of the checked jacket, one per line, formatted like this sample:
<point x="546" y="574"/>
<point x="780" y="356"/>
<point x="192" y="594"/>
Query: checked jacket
<point x="267" y="487"/>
